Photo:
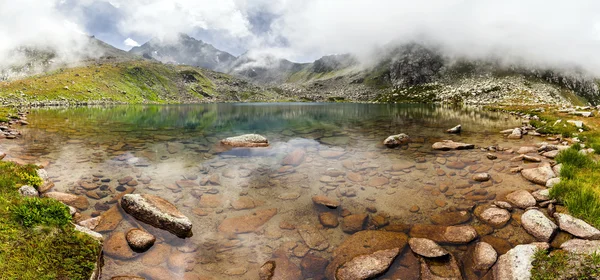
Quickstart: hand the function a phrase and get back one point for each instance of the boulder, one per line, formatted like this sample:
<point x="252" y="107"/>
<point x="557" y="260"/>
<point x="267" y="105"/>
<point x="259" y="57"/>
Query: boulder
<point x="576" y="227"/>
<point x="365" y="255"/>
<point x="157" y="212"/>
<point x="447" y="145"/>
<point x="496" y="217"/>
<point x="444" y="234"/>
<point x="426" y="248"/>
<point x="28" y="191"/>
<point x="539" y="175"/>
<point x="246" y="140"/>
<point x="538" y="225"/>
<point x="247" y="223"/>
<point x="76" y="201"/>
<point x="580" y="246"/>
<point x="396" y="140"/>
<point x="139" y="240"/>
<point x="521" y="199"/>
<point x="456" y="129"/>
<point x="516" y="264"/>
<point x="484" y="256"/>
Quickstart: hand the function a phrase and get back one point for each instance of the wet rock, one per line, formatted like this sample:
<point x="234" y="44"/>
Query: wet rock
<point x="455" y="129"/>
<point x="521" y="199"/>
<point x="517" y="133"/>
<point x="76" y="201"/>
<point x="516" y="263"/>
<point x="531" y="158"/>
<point x="28" y="191"/>
<point x="313" y="238"/>
<point x="539" y="175"/>
<point x="396" y="140"/>
<point x="444" y="234"/>
<point x="456" y="165"/>
<point x="484" y="256"/>
<point x="541" y="195"/>
<point x="447" y="145"/>
<point x="354" y="223"/>
<point x="328" y="219"/>
<point x="246" y="140"/>
<point x="538" y="225"/>
<point x="243" y="203"/>
<point x="313" y="266"/>
<point x="378" y="181"/>
<point x="491" y="156"/>
<point x="414" y="209"/>
<point x="157" y="212"/>
<point x="580" y="246"/>
<point x="355" y="177"/>
<point x="295" y="158"/>
<point x="90" y="223"/>
<point x="496" y="217"/>
<point x="451" y="218"/>
<point x="289" y="196"/>
<point x="139" y="240"/>
<point x="284" y="268"/>
<point x="481" y="177"/>
<point x="335" y="140"/>
<point x="503" y="205"/>
<point x="247" y="223"/>
<point x="267" y="270"/>
<point x="426" y="248"/>
<point x="365" y="255"/>
<point x="325" y="201"/>
<point x="576" y="227"/>
<point x="116" y="247"/>
<point x="527" y="150"/>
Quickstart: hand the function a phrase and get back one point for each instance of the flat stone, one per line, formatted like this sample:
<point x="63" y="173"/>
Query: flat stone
<point x="246" y="140"/>
<point x="313" y="238"/>
<point x="484" y="256"/>
<point x="456" y="165"/>
<point x="551" y="154"/>
<point x="521" y="199"/>
<point x="243" y="203"/>
<point x="538" y="225"/>
<point x="517" y="262"/>
<point x="576" y="227"/>
<point x="378" y="181"/>
<point x="289" y="196"/>
<point x="76" y="201"/>
<point x="157" y="212"/>
<point x="365" y="255"/>
<point x="539" y="175"/>
<point x="426" y="248"/>
<point x="247" y="223"/>
<point x="313" y="266"/>
<point x="447" y="145"/>
<point x="355" y="177"/>
<point x="139" y="240"/>
<point x="325" y="201"/>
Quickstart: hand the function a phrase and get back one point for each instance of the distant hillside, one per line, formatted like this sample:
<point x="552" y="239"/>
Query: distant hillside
<point x="186" y="51"/>
<point x="132" y="82"/>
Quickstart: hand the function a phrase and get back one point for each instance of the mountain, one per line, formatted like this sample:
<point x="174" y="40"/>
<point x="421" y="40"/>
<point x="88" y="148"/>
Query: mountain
<point x="185" y="50"/>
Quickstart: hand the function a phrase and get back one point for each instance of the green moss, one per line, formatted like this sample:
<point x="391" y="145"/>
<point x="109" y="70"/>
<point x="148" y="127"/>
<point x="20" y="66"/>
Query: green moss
<point x="37" y="240"/>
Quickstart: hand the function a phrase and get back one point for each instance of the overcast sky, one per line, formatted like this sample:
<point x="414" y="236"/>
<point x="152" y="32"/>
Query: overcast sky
<point x="552" y="32"/>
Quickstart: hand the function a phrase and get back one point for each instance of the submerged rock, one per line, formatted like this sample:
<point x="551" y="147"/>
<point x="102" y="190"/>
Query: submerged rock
<point x="538" y="225"/>
<point x="325" y="201"/>
<point x="426" y="248"/>
<point x="447" y="145"/>
<point x="576" y="227"/>
<point x="516" y="263"/>
<point x="247" y="223"/>
<point x="484" y="256"/>
<point x="157" y="212"/>
<point x="295" y="158"/>
<point x="365" y="255"/>
<point x="396" y="140"/>
<point x="246" y="140"/>
<point x="445" y="234"/>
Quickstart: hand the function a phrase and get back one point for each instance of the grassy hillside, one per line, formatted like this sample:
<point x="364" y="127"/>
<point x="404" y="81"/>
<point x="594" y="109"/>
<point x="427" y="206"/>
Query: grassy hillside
<point x="130" y="82"/>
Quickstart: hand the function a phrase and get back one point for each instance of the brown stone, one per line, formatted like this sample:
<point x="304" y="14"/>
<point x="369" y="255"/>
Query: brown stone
<point x="157" y="212"/>
<point x="116" y="246"/>
<point x="247" y="223"/>
<point x="325" y="201"/>
<point x="180" y="262"/>
<point x="354" y="223"/>
<point x="444" y="234"/>
<point x="313" y="238"/>
<point x="210" y="201"/>
<point x="295" y="158"/>
<point x="139" y="240"/>
<point x="328" y="219"/>
<point x="76" y="201"/>
<point x="451" y="218"/>
<point x="355" y="177"/>
<point x="378" y="181"/>
<point x="414" y="209"/>
<point x="156" y="255"/>
<point x="109" y="220"/>
<point x="243" y="203"/>
<point x="313" y="266"/>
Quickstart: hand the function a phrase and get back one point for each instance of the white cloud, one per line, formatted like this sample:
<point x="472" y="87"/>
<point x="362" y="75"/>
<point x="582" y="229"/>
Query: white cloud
<point x="131" y="43"/>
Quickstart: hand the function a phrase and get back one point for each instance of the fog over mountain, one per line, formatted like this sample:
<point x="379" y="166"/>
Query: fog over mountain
<point x="549" y="33"/>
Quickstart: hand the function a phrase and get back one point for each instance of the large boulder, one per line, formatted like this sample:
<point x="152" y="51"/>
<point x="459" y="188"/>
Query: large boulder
<point x="246" y="140"/>
<point x="426" y="248"/>
<point x="447" y="145"/>
<point x="539" y="175"/>
<point x="516" y="263"/>
<point x="157" y="212"/>
<point x="521" y="199"/>
<point x="365" y="255"/>
<point x="396" y="140"/>
<point x="576" y="227"/>
<point x="538" y="225"/>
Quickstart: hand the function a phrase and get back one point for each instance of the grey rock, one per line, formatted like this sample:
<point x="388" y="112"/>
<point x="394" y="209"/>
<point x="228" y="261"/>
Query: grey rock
<point x="455" y="129"/>
<point x="484" y="256"/>
<point x="552" y="182"/>
<point x="516" y="264"/>
<point x="495" y="217"/>
<point x="538" y="225"/>
<point x="576" y="227"/>
<point x="426" y="248"/>
<point x="580" y="246"/>
<point x="541" y="195"/>
<point x="521" y="199"/>
<point x="28" y="191"/>
<point x="157" y="212"/>
<point x="396" y="140"/>
<point x="447" y="145"/>
<point x="539" y="175"/>
<point x="246" y="140"/>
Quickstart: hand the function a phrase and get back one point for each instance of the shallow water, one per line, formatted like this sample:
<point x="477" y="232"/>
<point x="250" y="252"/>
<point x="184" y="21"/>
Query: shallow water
<point x="159" y="146"/>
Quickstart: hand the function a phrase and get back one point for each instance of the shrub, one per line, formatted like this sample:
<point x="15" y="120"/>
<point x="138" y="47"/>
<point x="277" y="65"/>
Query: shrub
<point x="46" y="212"/>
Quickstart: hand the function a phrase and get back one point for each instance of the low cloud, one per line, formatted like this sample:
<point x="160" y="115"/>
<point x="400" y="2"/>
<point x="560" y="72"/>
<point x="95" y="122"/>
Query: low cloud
<point x="131" y="43"/>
